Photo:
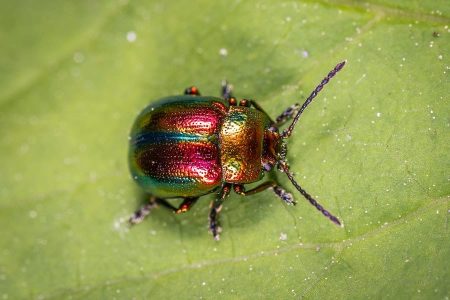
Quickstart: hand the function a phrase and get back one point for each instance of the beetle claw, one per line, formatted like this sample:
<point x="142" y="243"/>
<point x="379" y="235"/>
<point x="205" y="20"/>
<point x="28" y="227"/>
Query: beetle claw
<point x="215" y="230"/>
<point x="216" y="233"/>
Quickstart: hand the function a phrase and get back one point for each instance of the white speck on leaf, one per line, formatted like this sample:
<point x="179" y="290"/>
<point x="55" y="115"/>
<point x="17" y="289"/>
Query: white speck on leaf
<point x="131" y="36"/>
<point x="361" y="78"/>
<point x="223" y="52"/>
<point x="303" y="53"/>
<point x="78" y="57"/>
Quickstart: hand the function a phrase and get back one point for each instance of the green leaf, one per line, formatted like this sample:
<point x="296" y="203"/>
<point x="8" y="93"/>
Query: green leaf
<point x="373" y="148"/>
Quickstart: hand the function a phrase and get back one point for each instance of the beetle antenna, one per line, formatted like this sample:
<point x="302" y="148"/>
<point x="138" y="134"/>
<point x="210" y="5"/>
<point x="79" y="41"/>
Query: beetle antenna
<point x="285" y="168"/>
<point x="287" y="132"/>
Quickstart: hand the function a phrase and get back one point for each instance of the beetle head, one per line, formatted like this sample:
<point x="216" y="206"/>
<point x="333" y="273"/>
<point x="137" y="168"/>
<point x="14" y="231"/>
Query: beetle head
<point x="272" y="144"/>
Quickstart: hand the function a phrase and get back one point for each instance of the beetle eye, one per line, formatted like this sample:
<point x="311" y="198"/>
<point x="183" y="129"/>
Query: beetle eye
<point x="267" y="167"/>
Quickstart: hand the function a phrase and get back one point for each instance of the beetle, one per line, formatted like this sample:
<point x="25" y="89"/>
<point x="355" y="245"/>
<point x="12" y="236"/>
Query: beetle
<point x="190" y="145"/>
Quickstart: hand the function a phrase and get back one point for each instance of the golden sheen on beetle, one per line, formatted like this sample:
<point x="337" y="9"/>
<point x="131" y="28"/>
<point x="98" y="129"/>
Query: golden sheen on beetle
<point x="190" y="145"/>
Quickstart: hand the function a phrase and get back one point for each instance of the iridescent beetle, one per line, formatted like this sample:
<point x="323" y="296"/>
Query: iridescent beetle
<point x="189" y="146"/>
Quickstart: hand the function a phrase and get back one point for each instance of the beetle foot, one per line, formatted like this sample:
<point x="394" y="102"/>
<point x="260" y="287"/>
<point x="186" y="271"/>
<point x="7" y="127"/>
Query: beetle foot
<point x="214" y="226"/>
<point x="215" y="229"/>
<point x="216" y="232"/>
<point x="285" y="196"/>
<point x="217" y="235"/>
<point x="140" y="214"/>
<point x="227" y="90"/>
<point x="289" y="199"/>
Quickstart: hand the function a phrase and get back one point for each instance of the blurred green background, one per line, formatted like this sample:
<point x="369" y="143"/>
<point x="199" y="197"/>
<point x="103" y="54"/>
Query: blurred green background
<point x="373" y="148"/>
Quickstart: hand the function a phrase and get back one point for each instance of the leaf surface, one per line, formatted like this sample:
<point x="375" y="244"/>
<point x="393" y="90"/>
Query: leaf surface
<point x="373" y="148"/>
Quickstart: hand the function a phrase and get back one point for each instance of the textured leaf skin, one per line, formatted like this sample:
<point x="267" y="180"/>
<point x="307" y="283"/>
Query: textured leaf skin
<point x="373" y="148"/>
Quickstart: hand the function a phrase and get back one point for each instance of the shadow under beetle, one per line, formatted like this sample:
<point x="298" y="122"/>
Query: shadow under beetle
<point x="190" y="145"/>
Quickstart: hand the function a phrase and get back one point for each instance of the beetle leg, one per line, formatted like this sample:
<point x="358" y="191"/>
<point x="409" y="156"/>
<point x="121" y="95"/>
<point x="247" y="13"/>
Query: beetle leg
<point x="288" y="114"/>
<point x="216" y="206"/>
<point x="166" y="204"/>
<point x="140" y="214"/>
<point x="227" y="90"/>
<point x="186" y="205"/>
<point x="278" y="190"/>
<point x="192" y="90"/>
